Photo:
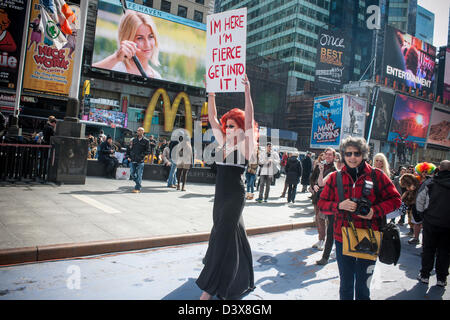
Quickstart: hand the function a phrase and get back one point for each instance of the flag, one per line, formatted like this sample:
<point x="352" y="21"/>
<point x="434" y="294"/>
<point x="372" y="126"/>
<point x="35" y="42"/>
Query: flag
<point x="64" y="9"/>
<point x="51" y="31"/>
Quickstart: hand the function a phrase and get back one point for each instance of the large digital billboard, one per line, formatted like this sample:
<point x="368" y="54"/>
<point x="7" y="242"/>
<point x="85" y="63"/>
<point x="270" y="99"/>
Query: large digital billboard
<point x="327" y="121"/>
<point x="12" y="14"/>
<point x="410" y="120"/>
<point x="440" y="128"/>
<point x="150" y="43"/>
<point x="383" y="115"/>
<point x="408" y="60"/>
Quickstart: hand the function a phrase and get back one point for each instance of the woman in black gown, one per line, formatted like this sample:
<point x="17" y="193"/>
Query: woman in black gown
<point x="228" y="270"/>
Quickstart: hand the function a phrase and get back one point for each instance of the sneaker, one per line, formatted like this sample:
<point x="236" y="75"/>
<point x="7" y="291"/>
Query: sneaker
<point x="316" y="245"/>
<point x="265" y="200"/>
<point x="413" y="241"/>
<point x="441" y="283"/>
<point x="322" y="262"/>
<point x="259" y="200"/>
<point x="136" y="191"/>
<point x="422" y="279"/>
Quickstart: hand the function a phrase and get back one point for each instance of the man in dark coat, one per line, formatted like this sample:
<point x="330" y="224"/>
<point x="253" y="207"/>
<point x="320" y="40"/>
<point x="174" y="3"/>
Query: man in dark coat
<point x="307" y="168"/>
<point x="432" y="205"/>
<point x="293" y="173"/>
<point x="49" y="129"/>
<point x="137" y="150"/>
<point x="106" y="156"/>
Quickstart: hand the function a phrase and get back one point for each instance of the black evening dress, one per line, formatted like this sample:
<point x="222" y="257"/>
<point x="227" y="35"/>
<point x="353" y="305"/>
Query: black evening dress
<point x="228" y="270"/>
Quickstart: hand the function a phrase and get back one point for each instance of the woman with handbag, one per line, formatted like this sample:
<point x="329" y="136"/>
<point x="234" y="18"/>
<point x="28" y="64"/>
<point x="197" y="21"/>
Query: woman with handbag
<point x="359" y="197"/>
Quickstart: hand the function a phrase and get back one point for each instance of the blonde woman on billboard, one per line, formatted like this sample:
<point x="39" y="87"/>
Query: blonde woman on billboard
<point x="137" y="37"/>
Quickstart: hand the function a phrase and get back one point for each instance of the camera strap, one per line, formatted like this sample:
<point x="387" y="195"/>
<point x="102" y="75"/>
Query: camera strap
<point x="348" y="215"/>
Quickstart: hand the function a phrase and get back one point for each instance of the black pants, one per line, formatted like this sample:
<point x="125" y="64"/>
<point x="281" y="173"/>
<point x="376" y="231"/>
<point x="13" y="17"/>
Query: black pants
<point x="182" y="176"/>
<point x="111" y="165"/>
<point x="330" y="235"/>
<point x="292" y="191"/>
<point x="436" y="243"/>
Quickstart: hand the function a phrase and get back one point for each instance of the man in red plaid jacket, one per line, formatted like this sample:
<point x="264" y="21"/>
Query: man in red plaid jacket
<point x="355" y="273"/>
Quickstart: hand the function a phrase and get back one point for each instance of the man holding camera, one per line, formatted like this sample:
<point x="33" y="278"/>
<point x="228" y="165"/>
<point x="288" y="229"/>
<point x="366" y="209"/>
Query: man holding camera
<point x="364" y="210"/>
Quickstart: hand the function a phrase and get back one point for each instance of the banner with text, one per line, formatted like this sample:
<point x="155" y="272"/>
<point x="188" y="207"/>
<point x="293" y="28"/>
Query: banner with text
<point x="47" y="68"/>
<point x="327" y="121"/>
<point x="354" y="117"/>
<point x="330" y="60"/>
<point x="12" y="14"/>
<point x="226" y="50"/>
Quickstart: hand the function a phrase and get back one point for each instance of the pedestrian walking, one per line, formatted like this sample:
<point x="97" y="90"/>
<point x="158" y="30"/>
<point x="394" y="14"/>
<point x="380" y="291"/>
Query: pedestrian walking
<point x="432" y="205"/>
<point x="355" y="273"/>
<point x="293" y="170"/>
<point x="322" y="169"/>
<point x="137" y="150"/>
<point x="184" y="160"/>
<point x="307" y="168"/>
<point x="172" y="179"/>
<point x="228" y="271"/>
<point x="250" y="175"/>
<point x="401" y="190"/>
<point x="269" y="161"/>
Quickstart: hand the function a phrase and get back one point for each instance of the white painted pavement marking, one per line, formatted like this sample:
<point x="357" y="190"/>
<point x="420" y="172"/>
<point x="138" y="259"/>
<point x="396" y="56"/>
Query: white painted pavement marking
<point x="96" y="204"/>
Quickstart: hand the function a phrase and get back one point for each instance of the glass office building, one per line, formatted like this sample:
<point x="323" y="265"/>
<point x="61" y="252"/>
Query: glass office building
<point x="424" y="25"/>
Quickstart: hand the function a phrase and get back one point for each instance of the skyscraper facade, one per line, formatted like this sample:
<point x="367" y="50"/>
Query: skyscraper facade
<point x="402" y="15"/>
<point x="424" y="25"/>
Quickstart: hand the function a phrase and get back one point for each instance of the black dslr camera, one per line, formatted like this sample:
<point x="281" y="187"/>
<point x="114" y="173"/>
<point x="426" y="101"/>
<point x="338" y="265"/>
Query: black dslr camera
<point x="363" y="204"/>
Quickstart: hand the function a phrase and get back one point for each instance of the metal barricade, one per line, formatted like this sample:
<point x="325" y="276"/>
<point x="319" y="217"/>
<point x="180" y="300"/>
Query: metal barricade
<point x="24" y="162"/>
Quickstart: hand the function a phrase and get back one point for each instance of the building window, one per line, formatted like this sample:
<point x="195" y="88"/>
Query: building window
<point x="182" y="11"/>
<point x="198" y="16"/>
<point x="165" y="6"/>
<point x="200" y="1"/>
<point x="148" y="3"/>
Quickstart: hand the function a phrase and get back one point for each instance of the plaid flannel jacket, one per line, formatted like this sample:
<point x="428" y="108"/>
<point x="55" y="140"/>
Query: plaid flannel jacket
<point x="388" y="198"/>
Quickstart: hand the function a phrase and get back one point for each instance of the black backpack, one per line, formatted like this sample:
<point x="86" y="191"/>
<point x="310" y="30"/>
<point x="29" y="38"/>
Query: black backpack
<point x="390" y="247"/>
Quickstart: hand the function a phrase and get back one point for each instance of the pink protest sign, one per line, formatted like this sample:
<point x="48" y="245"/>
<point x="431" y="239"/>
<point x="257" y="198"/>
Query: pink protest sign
<point x="226" y="44"/>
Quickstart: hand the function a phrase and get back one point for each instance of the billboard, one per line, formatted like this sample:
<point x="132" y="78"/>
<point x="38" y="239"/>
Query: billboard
<point x="383" y="115"/>
<point x="48" y="68"/>
<point x="353" y="117"/>
<point x="330" y="60"/>
<point x="440" y="128"/>
<point x="447" y="75"/>
<point x="149" y="43"/>
<point x="12" y="13"/>
<point x="109" y="117"/>
<point x="410" y="120"/>
<point x="408" y="60"/>
<point x="327" y="121"/>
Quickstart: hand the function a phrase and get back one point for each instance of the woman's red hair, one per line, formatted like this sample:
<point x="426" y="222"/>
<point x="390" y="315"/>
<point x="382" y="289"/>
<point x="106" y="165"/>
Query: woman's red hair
<point x="238" y="116"/>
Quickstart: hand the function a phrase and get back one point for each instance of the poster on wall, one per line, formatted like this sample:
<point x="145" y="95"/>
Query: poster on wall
<point x="226" y="47"/>
<point x="383" y="115"/>
<point x="410" y="120"/>
<point x="440" y="128"/>
<point x="12" y="14"/>
<point x="149" y="43"/>
<point x="50" y="52"/>
<point x="354" y="117"/>
<point x="408" y="60"/>
<point x="330" y="60"/>
<point x="327" y="121"/>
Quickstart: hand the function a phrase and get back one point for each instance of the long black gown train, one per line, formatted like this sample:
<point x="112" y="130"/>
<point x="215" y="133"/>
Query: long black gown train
<point x="228" y="270"/>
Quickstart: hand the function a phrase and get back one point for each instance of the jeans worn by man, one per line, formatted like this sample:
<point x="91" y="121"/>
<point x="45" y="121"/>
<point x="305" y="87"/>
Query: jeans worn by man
<point x="136" y="172"/>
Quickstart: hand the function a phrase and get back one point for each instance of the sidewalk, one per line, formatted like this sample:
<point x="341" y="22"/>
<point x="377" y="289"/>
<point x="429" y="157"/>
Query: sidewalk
<point x="42" y="222"/>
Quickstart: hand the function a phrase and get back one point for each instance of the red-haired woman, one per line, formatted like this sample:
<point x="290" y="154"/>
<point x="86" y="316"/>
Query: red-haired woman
<point x="228" y="270"/>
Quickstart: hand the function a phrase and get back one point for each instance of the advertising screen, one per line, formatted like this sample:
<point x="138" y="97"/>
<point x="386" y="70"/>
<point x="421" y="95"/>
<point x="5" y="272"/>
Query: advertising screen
<point x="111" y="118"/>
<point x="354" y="117"/>
<point x="150" y="43"/>
<point x="330" y="60"/>
<point x="383" y="115"/>
<point x="408" y="60"/>
<point x="447" y="75"/>
<point x="12" y="13"/>
<point x="410" y="120"/>
<point x="440" y="128"/>
<point x="327" y="121"/>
